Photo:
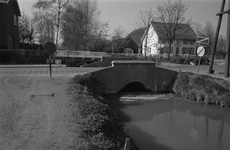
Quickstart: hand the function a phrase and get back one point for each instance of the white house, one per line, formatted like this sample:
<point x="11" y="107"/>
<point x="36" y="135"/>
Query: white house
<point x="157" y="43"/>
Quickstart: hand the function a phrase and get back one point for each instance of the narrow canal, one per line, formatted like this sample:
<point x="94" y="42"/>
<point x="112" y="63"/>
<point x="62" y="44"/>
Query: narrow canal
<point x="174" y="124"/>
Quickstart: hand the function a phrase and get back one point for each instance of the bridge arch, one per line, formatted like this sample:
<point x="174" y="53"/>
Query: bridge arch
<point x="134" y="87"/>
<point x="142" y="74"/>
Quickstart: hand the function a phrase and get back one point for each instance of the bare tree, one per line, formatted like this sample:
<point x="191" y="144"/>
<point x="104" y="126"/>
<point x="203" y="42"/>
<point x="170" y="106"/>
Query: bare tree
<point x="44" y="25"/>
<point x="118" y="33"/>
<point x="145" y="18"/>
<point x="81" y="23"/>
<point x="27" y="29"/>
<point x="118" y="39"/>
<point x="53" y="8"/>
<point x="172" y="16"/>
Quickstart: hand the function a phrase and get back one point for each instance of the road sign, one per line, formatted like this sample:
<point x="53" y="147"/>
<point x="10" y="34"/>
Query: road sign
<point x="50" y="48"/>
<point x="200" y="51"/>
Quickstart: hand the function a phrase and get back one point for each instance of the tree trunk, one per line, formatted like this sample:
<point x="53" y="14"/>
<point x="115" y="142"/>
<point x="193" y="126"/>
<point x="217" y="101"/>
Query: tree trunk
<point x="169" y="51"/>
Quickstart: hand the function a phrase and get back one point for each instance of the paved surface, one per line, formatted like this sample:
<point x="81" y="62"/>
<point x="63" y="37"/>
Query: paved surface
<point x="219" y="67"/>
<point x="41" y="70"/>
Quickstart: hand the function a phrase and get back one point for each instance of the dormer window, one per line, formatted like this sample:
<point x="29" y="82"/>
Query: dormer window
<point x="15" y="20"/>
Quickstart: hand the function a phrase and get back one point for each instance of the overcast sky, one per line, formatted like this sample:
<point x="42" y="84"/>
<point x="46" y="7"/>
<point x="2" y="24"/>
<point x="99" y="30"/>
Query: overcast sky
<point x="125" y="13"/>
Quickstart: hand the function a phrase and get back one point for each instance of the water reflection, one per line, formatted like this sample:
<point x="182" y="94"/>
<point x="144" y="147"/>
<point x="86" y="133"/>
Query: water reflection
<point x="176" y="125"/>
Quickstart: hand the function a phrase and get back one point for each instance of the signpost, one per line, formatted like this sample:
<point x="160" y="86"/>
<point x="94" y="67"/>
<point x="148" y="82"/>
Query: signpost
<point x="200" y="53"/>
<point x="50" y="48"/>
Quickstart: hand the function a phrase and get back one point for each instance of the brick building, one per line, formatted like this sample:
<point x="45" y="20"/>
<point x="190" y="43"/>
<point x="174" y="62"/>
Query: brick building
<point x="9" y="33"/>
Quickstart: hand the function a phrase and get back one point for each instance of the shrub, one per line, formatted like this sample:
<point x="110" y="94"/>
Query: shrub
<point x="90" y="82"/>
<point x="100" y="125"/>
<point x="181" y="85"/>
<point x="202" y="88"/>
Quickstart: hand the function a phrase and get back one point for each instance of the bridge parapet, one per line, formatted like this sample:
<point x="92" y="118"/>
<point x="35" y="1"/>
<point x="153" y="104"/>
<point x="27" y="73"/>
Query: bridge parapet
<point x="124" y="72"/>
<point x="68" y="53"/>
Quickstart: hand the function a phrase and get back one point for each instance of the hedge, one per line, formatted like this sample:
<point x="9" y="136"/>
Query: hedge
<point x="15" y="56"/>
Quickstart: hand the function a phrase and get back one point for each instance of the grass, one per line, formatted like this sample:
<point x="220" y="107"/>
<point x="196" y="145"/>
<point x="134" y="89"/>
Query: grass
<point x="203" y="89"/>
<point x="100" y="127"/>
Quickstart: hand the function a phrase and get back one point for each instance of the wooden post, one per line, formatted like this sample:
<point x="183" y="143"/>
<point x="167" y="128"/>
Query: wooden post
<point x="228" y="45"/>
<point x="127" y="144"/>
<point x="146" y="40"/>
<point x="216" y="36"/>
<point x="50" y="67"/>
<point x="198" y="67"/>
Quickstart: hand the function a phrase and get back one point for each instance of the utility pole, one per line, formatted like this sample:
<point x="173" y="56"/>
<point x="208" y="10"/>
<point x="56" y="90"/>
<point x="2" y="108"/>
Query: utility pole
<point x="228" y="44"/>
<point x="216" y="36"/>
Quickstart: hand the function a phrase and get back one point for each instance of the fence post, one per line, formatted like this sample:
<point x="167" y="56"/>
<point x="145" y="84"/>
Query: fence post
<point x="127" y="144"/>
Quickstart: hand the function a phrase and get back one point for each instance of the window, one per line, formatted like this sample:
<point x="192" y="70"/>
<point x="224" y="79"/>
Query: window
<point x="192" y="42"/>
<point x="185" y="42"/>
<point x="161" y="50"/>
<point x="191" y="51"/>
<point x="177" y="42"/>
<point x="184" y="50"/>
<point x="15" y="20"/>
<point x="166" y="50"/>
<point x="188" y="50"/>
<point x="177" y="50"/>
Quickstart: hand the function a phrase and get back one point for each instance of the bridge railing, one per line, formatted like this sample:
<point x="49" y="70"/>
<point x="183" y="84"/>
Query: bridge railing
<point x="68" y="53"/>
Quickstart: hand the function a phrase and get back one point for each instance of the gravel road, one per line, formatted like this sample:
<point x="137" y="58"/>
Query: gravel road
<point x="34" y="111"/>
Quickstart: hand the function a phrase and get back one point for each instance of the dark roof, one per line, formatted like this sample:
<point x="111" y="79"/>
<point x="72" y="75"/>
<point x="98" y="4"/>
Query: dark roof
<point x="15" y="2"/>
<point x="184" y="31"/>
<point x="136" y="36"/>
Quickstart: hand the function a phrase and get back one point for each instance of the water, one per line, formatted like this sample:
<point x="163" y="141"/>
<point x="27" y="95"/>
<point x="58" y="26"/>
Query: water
<point x="175" y="124"/>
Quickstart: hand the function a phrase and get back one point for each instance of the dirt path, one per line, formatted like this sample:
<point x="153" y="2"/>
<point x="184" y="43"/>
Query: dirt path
<point x="35" y="114"/>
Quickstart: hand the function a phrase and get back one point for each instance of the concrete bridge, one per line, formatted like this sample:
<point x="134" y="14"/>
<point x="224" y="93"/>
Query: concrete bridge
<point x="132" y="73"/>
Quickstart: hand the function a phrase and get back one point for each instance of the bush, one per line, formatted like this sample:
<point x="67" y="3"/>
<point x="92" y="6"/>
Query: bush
<point x="202" y="89"/>
<point x="100" y="125"/>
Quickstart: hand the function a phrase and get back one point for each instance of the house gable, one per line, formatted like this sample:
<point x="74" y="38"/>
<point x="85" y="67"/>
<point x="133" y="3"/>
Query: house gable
<point x="157" y="40"/>
<point x="152" y="41"/>
<point x="134" y="39"/>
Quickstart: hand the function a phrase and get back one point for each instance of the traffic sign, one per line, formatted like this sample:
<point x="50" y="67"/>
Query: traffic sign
<point x="50" y="48"/>
<point x="200" y="51"/>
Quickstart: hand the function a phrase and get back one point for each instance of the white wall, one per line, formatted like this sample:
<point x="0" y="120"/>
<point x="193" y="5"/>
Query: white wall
<point x="151" y="42"/>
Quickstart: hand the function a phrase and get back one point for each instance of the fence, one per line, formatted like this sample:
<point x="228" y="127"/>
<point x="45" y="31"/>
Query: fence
<point x="67" y="53"/>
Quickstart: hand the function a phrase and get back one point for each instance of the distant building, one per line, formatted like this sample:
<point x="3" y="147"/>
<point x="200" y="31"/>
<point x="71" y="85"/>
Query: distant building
<point x="133" y="41"/>
<point x="157" y="43"/>
<point x="9" y="33"/>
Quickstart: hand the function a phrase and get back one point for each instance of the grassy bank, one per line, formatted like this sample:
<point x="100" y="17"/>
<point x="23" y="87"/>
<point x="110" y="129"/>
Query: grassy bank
<point x="203" y="89"/>
<point x="99" y="125"/>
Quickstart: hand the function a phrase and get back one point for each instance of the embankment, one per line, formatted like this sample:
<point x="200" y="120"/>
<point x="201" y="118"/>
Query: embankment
<point x="203" y="89"/>
<point x="100" y="126"/>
